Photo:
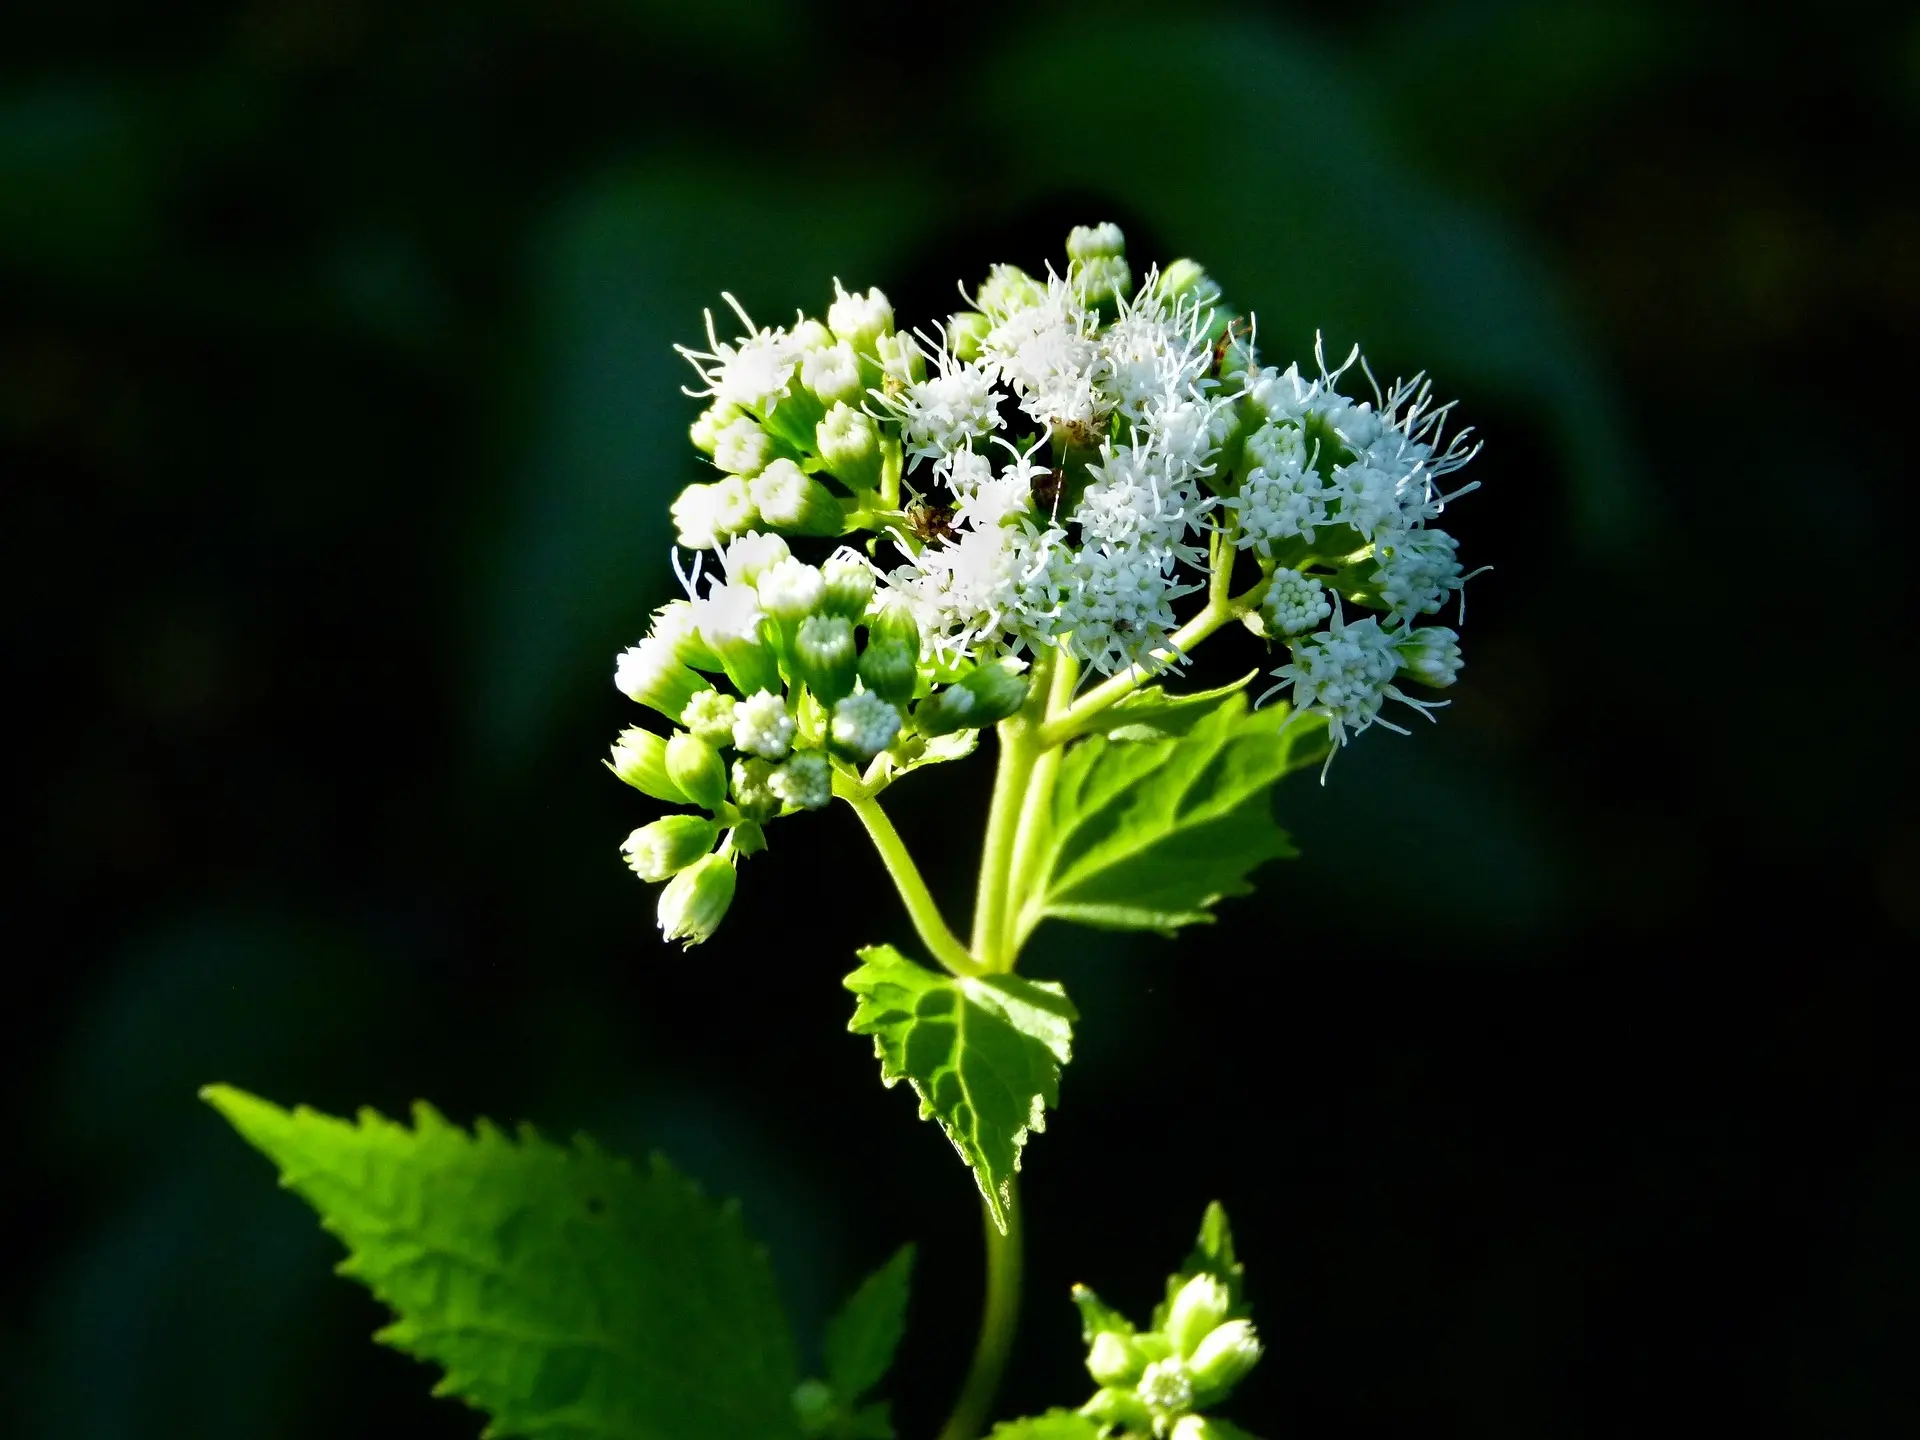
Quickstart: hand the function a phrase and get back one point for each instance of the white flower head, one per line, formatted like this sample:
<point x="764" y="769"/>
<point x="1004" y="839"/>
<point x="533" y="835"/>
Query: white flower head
<point x="804" y="781"/>
<point x="1282" y="497"/>
<point x="762" y="726"/>
<point x="859" y="320"/>
<point x="1430" y="655"/>
<point x="754" y="372"/>
<point x="1418" y="570"/>
<point x="948" y="411"/>
<point x="864" y="724"/>
<point x="1346" y="673"/>
<point x="1294" y="604"/>
<point x="791" y="590"/>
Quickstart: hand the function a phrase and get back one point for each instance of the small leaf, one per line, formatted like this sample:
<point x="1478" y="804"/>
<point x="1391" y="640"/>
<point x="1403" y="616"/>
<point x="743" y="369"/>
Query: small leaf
<point x="1054" y="1425"/>
<point x="983" y="1054"/>
<point x="1149" y="835"/>
<point x="862" y="1338"/>
<point x="1097" y="1317"/>
<point x="1212" y="1254"/>
<point x="565" y="1294"/>
<point x="1153" y="714"/>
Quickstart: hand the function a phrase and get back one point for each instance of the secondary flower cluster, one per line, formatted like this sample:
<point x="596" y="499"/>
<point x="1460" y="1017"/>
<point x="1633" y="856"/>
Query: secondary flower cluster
<point x="773" y="672"/>
<point x="1158" y="1381"/>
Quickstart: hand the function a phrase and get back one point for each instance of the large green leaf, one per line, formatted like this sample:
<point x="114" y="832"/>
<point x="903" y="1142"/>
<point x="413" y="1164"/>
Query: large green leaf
<point x="1148" y="835"/>
<point x="1054" y="1425"/>
<point x="566" y="1294"/>
<point x="983" y="1054"/>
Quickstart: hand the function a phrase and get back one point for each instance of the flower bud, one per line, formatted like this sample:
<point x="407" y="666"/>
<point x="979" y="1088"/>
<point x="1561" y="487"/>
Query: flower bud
<point x="693" y="517"/>
<point x="651" y="674"/>
<point x="695" y="901"/>
<point x="1119" y="1409"/>
<point x="832" y="375"/>
<point x="850" y="444"/>
<point x="752" y="796"/>
<point x="849" y="581"/>
<point x="810" y="335"/>
<point x="669" y="845"/>
<point x="1095" y="242"/>
<point x="1223" y="1359"/>
<point x="1204" y="1427"/>
<point x="1007" y="290"/>
<point x="891" y="665"/>
<point x="824" y="656"/>
<point x="747" y="838"/>
<point x="864" y="724"/>
<point x="966" y="333"/>
<point x="1197" y="1308"/>
<point x="640" y="759"/>
<point x="732" y="507"/>
<point x="1114" y="1359"/>
<point x="948" y="709"/>
<point x="709" y="717"/>
<point x="804" y="781"/>
<point x="999" y="688"/>
<point x="762" y="726"/>
<point x="901" y="358"/>
<point x="791" y="590"/>
<point x="1167" y="1387"/>
<point x="1101" y="278"/>
<point x="675" y="625"/>
<point x="753" y="553"/>
<point x="705" y="430"/>
<point x="742" y="447"/>
<point x="1186" y="278"/>
<point x="696" y="767"/>
<point x="786" y="496"/>
<point x="1431" y="655"/>
<point x="860" y="320"/>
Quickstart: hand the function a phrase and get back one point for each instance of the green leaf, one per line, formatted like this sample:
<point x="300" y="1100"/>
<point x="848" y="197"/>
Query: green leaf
<point x="1153" y="714"/>
<point x="1148" y="835"/>
<point x="1212" y="1254"/>
<point x="983" y="1054"/>
<point x="1054" y="1425"/>
<point x="1097" y="1317"/>
<point x="861" y="1339"/>
<point x="565" y="1294"/>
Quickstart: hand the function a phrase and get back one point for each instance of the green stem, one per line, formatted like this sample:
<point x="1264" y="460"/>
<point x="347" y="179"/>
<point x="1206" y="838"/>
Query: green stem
<point x="921" y="907"/>
<point x="997" y="1322"/>
<point x="1104" y="696"/>
<point x="1037" y="803"/>
<point x="1011" y="777"/>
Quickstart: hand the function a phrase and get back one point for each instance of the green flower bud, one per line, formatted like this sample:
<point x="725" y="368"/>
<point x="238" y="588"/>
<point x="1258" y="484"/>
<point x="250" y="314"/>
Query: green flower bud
<point x="754" y="553"/>
<point x="1166" y="1386"/>
<point x="948" y="709"/>
<point x="863" y="725"/>
<point x="1095" y="242"/>
<point x="891" y="665"/>
<point x="733" y="512"/>
<point x="849" y="586"/>
<point x="1119" y="1409"/>
<point x="742" y="447"/>
<point x="747" y="838"/>
<point x="1223" y="1359"/>
<point x="652" y="674"/>
<point x="696" y="767"/>
<point x="999" y="687"/>
<point x="1197" y="1308"/>
<point x="832" y="376"/>
<point x="804" y="780"/>
<point x="709" y="717"/>
<point x="752" y="796"/>
<point x="640" y="759"/>
<point x="791" y="590"/>
<point x="1101" y="279"/>
<point x="1185" y="278"/>
<point x="860" y="320"/>
<point x="850" y="444"/>
<point x="705" y="429"/>
<point x="1007" y="289"/>
<point x="1203" y="1427"/>
<point x="824" y="656"/>
<point x="789" y="498"/>
<point x="1113" y="1359"/>
<point x="693" y="517"/>
<point x="674" y="624"/>
<point x="812" y="335"/>
<point x="669" y="845"/>
<point x="695" y="901"/>
<point x="901" y="359"/>
<point x="966" y="332"/>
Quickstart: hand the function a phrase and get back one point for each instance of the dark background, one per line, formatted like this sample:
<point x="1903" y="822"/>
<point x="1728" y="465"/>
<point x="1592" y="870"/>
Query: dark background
<point x="1560" y="1089"/>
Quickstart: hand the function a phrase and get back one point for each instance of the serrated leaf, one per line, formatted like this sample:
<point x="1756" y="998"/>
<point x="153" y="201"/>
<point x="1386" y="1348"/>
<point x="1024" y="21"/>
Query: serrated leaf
<point x="982" y="1053"/>
<point x="566" y="1294"/>
<point x="1149" y="835"/>
<point x="1152" y="713"/>
<point x="861" y="1339"/>
<point x="1212" y="1254"/>
<point x="1054" y="1425"/>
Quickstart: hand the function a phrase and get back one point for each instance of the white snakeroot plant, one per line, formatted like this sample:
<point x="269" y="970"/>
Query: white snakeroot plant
<point x="1026" y="517"/>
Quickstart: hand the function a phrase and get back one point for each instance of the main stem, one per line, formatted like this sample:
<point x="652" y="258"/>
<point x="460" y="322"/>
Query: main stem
<point x="997" y="1324"/>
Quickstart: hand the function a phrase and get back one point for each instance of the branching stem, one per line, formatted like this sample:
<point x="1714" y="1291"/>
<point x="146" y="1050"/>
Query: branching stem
<point x="921" y="907"/>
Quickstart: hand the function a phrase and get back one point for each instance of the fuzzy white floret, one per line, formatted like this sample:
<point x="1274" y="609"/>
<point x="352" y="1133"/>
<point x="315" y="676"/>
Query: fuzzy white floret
<point x="1294" y="603"/>
<point x="762" y="726"/>
<point x="865" y="723"/>
<point x="804" y="781"/>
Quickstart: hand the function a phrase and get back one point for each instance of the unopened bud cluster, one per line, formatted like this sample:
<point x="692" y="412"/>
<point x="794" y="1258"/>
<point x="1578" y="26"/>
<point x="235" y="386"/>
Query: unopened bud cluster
<point x="774" y="672"/>
<point x="1160" y="1381"/>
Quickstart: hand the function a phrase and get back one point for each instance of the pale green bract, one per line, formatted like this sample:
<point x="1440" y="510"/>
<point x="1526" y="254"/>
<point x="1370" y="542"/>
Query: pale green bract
<point x="982" y="1053"/>
<point x="567" y="1294"/>
<point x="1150" y="834"/>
